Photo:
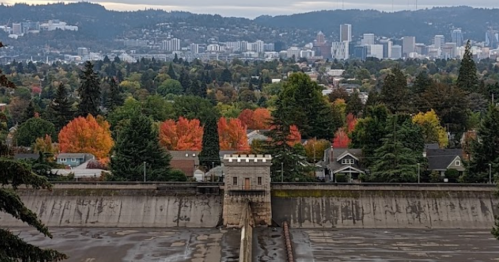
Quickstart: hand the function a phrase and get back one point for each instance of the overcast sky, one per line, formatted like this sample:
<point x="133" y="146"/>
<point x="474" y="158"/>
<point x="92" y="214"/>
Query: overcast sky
<point x="254" y="8"/>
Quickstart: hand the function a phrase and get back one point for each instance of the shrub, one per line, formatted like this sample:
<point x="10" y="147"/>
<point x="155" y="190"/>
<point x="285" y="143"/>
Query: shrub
<point x="452" y="175"/>
<point x="341" y="178"/>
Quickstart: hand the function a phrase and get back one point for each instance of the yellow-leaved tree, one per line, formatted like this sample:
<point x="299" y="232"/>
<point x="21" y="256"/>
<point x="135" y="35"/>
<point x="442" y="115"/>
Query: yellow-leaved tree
<point x="87" y="135"/>
<point x="433" y="132"/>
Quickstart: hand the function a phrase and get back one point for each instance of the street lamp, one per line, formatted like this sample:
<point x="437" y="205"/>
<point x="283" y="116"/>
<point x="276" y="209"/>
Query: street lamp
<point x="490" y="173"/>
<point x="419" y="173"/>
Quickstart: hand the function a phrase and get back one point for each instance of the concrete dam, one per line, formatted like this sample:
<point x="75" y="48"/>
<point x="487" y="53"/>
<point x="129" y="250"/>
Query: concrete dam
<point x="314" y="205"/>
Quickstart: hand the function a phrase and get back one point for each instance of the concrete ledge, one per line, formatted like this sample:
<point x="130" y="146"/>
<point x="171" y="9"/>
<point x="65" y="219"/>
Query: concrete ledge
<point x="384" y="187"/>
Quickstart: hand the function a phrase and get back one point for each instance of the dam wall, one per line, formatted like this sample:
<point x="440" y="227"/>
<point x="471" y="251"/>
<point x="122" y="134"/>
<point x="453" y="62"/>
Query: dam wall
<point x="126" y="205"/>
<point x="384" y="206"/>
<point x="303" y="205"/>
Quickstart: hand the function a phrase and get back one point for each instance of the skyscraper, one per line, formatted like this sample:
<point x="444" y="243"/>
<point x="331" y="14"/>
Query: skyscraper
<point x="345" y="33"/>
<point x="339" y="50"/>
<point x="491" y="39"/>
<point x="457" y="37"/>
<point x="387" y="47"/>
<point x="367" y="39"/>
<point x="408" y="45"/>
<point x="439" y="41"/>
<point x="320" y="40"/>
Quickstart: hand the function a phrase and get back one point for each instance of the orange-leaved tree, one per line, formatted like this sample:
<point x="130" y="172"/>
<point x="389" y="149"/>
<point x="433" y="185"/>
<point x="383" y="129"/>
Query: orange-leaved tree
<point x="232" y="134"/>
<point x="185" y="134"/>
<point x="87" y="135"/>
<point x="261" y="119"/>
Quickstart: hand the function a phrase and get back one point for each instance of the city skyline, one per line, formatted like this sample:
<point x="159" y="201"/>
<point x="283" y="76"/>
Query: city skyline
<point x="259" y="7"/>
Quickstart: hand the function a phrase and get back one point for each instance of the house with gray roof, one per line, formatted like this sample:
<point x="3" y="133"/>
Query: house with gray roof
<point x="346" y="161"/>
<point x="440" y="160"/>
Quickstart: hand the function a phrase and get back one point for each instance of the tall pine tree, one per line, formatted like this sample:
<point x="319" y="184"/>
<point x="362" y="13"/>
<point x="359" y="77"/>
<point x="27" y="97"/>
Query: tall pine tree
<point x="114" y="99"/>
<point x="89" y="91"/>
<point x="60" y="108"/>
<point x="467" y="78"/>
<point x="394" y="93"/>
<point x="171" y="72"/>
<point x="210" y="154"/>
<point x="287" y="163"/>
<point x="138" y="144"/>
<point x="395" y="160"/>
<point x="485" y="150"/>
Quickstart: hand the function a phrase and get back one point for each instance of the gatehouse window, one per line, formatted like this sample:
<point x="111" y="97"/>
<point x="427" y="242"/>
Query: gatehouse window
<point x="234" y="181"/>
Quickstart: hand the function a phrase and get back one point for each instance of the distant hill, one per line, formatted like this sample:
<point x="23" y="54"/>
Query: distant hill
<point x="423" y="24"/>
<point x="95" y="22"/>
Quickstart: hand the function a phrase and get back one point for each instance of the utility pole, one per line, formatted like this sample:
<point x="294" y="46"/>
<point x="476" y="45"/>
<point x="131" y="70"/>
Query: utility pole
<point x="490" y="174"/>
<point x="282" y="171"/>
<point x="419" y="173"/>
<point x="144" y="171"/>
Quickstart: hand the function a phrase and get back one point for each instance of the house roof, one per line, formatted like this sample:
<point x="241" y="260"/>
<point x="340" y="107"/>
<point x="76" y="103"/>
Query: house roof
<point x="440" y="159"/>
<point x="75" y="155"/>
<point x="348" y="169"/>
<point x="184" y="155"/>
<point x="26" y="156"/>
<point x="339" y="153"/>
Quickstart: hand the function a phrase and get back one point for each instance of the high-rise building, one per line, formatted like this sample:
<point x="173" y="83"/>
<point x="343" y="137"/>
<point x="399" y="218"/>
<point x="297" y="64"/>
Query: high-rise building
<point x="449" y="50"/>
<point x="408" y="45"/>
<point x="457" y="37"/>
<point x="260" y="46"/>
<point x="83" y="51"/>
<point x="387" y="47"/>
<point x="396" y="52"/>
<point x="171" y="45"/>
<point x="439" y="41"/>
<point x="339" y="50"/>
<point x="360" y="52"/>
<point x="345" y="33"/>
<point x="367" y="39"/>
<point x="376" y="51"/>
<point x="17" y="28"/>
<point x="491" y="39"/>
<point x="320" y="39"/>
<point x="268" y="47"/>
<point x="194" y="48"/>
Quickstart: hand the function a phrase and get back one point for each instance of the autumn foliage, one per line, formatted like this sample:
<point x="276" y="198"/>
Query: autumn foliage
<point x="232" y="134"/>
<point x="87" y="135"/>
<point x="351" y="122"/>
<point x="45" y="145"/>
<point x="341" y="139"/>
<point x="181" y="135"/>
<point x="256" y="120"/>
<point x="294" y="136"/>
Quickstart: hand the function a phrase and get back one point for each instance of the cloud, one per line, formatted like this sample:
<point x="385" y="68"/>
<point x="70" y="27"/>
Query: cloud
<point x="255" y="8"/>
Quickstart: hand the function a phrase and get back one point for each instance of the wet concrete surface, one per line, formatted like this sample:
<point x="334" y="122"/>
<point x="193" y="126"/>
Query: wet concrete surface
<point x="139" y="245"/>
<point x="268" y="244"/>
<point x="394" y="245"/>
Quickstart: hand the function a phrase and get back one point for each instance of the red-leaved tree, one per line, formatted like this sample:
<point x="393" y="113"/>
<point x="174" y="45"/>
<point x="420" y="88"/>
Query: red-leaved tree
<point x="341" y="139"/>
<point x="181" y="135"/>
<point x="246" y="117"/>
